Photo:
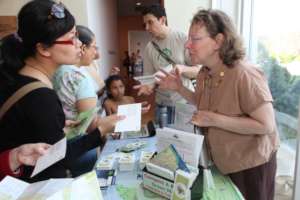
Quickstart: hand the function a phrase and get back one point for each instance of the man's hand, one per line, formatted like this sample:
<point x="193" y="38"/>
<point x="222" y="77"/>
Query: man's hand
<point x="181" y="68"/>
<point x="144" y="89"/>
<point x="114" y="70"/>
<point x="190" y="72"/>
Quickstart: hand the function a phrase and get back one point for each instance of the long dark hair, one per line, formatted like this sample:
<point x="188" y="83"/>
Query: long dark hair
<point x="36" y="24"/>
<point x="85" y="35"/>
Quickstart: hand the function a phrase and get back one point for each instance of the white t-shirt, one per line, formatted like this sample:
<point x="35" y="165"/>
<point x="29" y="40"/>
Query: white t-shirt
<point x="172" y="45"/>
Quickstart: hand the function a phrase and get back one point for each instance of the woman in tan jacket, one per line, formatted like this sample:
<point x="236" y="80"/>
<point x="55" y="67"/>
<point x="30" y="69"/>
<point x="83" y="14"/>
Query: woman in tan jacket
<point x="235" y="111"/>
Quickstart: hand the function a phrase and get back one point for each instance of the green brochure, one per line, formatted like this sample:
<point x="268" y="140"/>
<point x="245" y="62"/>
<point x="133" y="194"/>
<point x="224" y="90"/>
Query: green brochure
<point x="85" y="118"/>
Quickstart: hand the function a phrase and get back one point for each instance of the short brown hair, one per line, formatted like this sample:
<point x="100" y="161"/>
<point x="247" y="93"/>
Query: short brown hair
<point x="217" y="22"/>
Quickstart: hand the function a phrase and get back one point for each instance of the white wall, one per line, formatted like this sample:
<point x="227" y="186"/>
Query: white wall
<point x="99" y="15"/>
<point x="231" y="8"/>
<point x="102" y="19"/>
<point x="180" y="12"/>
<point x="11" y="7"/>
<point x="78" y="9"/>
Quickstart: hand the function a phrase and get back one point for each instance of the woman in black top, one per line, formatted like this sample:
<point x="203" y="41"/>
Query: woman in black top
<point x="46" y="38"/>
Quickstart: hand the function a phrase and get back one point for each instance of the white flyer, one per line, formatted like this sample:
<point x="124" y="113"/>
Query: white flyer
<point x="133" y="117"/>
<point x="188" y="145"/>
<point x="83" y="187"/>
<point x="55" y="153"/>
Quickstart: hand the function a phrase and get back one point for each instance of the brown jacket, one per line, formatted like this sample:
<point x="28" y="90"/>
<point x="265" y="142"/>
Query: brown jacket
<point x="235" y="92"/>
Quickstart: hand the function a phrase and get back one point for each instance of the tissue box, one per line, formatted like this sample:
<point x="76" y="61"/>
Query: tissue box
<point x="157" y="182"/>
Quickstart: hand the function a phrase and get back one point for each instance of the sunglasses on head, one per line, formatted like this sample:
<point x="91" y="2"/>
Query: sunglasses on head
<point x="57" y="11"/>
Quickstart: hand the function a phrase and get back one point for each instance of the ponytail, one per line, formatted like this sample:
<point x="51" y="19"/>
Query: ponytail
<point x="37" y="23"/>
<point x="12" y="58"/>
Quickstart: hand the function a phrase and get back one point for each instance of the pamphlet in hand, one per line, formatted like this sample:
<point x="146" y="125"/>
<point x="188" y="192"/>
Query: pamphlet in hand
<point x="54" y="154"/>
<point x="85" y="118"/>
<point x="133" y="117"/>
<point x="151" y="79"/>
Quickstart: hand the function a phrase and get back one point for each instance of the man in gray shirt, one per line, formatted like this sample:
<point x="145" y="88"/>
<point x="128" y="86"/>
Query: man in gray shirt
<point x="172" y="44"/>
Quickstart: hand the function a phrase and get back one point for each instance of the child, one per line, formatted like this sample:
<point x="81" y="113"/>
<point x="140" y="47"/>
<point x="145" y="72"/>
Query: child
<point x="116" y="96"/>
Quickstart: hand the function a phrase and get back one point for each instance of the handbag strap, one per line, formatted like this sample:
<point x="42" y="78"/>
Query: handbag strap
<point x="19" y="94"/>
<point x="163" y="54"/>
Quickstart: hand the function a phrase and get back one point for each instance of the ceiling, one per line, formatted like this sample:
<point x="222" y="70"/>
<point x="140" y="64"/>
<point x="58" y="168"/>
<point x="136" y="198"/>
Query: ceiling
<point x="130" y="8"/>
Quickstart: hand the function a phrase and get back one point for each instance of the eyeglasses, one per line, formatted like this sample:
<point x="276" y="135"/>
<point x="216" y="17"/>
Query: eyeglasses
<point x="195" y="39"/>
<point x="71" y="41"/>
<point x="57" y="11"/>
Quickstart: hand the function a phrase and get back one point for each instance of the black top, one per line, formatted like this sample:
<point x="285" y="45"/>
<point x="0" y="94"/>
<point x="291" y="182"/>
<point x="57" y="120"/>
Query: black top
<point x="39" y="117"/>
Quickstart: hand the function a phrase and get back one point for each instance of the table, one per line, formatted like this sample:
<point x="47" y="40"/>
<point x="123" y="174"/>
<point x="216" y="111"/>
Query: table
<point x="133" y="178"/>
<point x="127" y="178"/>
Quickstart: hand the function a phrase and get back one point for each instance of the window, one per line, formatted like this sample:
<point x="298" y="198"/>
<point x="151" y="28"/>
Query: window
<point x="272" y="38"/>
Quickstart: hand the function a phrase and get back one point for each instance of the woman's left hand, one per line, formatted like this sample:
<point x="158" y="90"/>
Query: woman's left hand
<point x="204" y="118"/>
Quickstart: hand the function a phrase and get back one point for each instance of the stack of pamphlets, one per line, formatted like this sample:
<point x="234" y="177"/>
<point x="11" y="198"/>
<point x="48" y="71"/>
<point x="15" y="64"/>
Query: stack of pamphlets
<point x="126" y="162"/>
<point x="145" y="158"/>
<point x="133" y="146"/>
<point x="106" y="163"/>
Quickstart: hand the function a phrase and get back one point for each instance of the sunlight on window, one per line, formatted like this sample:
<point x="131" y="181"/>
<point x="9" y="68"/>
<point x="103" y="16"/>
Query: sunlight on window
<point x="276" y="39"/>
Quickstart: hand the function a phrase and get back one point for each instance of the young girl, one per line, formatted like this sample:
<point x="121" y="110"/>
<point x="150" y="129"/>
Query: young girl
<point x="115" y="94"/>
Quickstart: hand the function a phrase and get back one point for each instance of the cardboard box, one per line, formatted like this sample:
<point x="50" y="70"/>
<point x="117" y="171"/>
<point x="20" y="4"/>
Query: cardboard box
<point x="164" y="186"/>
<point x="157" y="184"/>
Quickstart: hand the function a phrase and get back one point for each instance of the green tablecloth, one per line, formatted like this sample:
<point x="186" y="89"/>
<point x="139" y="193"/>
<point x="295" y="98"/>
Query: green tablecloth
<point x="224" y="188"/>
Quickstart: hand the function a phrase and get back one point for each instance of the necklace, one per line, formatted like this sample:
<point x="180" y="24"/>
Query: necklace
<point x="44" y="72"/>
